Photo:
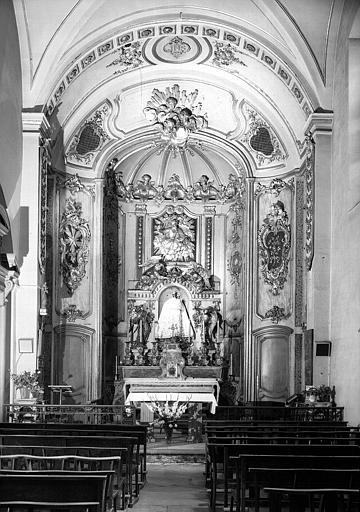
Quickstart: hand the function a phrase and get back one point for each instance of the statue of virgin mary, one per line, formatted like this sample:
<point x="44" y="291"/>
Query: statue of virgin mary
<point x="173" y="319"/>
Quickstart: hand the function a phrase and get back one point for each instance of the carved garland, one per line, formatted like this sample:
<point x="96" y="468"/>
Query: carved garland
<point x="203" y="190"/>
<point x="309" y="205"/>
<point x="274" y="239"/>
<point x="235" y="261"/>
<point x="74" y="239"/>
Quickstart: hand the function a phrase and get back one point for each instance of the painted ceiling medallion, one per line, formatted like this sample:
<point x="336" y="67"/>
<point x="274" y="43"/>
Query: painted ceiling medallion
<point x="176" y="114"/>
<point x="274" y="241"/>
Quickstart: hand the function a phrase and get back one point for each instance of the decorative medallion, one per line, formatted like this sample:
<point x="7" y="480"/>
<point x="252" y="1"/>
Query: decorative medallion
<point x="274" y="241"/>
<point x="129" y="56"/>
<point x="177" y="47"/>
<point x="261" y="139"/>
<point x="174" y="236"/>
<point x="74" y="241"/>
<point x="89" y="139"/>
<point x="176" y="114"/>
<point x="226" y="55"/>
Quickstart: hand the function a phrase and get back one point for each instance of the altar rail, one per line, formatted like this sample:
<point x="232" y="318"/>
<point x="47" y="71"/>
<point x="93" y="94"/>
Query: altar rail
<point x="97" y="414"/>
<point x="300" y="413"/>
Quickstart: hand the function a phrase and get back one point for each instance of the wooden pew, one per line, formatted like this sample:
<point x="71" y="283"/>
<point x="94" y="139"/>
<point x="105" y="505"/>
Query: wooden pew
<point x="220" y="459"/>
<point x="246" y="464"/>
<point x="115" y="442"/>
<point x="53" y="491"/>
<point x="305" y="479"/>
<point x="45" y="464"/>
<point x="328" y="486"/>
<point x="119" y="429"/>
<point x="138" y="431"/>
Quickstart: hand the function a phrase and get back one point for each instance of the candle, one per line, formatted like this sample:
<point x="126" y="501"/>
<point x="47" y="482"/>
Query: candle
<point x="231" y="364"/>
<point x="141" y="332"/>
<point x="217" y="330"/>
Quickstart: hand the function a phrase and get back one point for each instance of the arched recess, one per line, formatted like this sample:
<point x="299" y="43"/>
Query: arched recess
<point x="133" y="216"/>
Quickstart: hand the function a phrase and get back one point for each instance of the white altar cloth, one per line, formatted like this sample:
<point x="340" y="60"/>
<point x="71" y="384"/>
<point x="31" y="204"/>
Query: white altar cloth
<point x="172" y="390"/>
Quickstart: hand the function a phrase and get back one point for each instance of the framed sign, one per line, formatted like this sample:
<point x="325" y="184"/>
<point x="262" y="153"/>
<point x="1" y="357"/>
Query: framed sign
<point x="26" y="345"/>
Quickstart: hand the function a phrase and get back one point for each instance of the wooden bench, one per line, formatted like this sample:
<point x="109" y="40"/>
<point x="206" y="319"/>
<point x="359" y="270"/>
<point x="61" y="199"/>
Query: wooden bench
<point x="305" y="479"/>
<point x="75" y="442"/>
<point x="244" y="464"/>
<point x="32" y="491"/>
<point x="137" y="431"/>
<point x="329" y="487"/>
<point x="99" y="429"/>
<point x="45" y="464"/>
<point x="220" y="463"/>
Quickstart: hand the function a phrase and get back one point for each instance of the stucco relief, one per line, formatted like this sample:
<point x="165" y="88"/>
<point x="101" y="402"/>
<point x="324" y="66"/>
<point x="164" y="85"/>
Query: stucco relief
<point x="261" y="139"/>
<point x="89" y="138"/>
<point x="174" y="236"/>
<point x="274" y="240"/>
<point x="74" y="240"/>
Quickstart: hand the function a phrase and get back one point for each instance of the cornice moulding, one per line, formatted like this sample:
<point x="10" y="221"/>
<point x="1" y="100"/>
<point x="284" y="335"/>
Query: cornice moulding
<point x="35" y="122"/>
<point x="320" y="123"/>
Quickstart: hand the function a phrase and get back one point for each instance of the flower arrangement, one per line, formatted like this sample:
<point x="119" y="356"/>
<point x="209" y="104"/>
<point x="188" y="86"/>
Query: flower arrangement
<point x="168" y="412"/>
<point x="28" y="380"/>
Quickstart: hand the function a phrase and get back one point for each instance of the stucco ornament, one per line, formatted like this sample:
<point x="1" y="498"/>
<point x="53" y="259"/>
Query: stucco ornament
<point x="174" y="237"/>
<point x="74" y="239"/>
<point x="274" y="241"/>
<point x="175" y="114"/>
<point x="129" y="56"/>
<point x="177" y="47"/>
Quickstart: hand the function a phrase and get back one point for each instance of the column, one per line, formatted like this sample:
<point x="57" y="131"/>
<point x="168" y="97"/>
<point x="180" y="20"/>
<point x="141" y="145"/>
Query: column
<point x="35" y="129"/>
<point x="249" y="345"/>
<point x="319" y="127"/>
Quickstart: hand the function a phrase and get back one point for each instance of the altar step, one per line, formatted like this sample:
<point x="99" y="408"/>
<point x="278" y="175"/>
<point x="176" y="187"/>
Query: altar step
<point x="178" y="451"/>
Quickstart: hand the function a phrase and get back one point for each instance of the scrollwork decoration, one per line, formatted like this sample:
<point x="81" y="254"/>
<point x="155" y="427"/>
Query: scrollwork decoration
<point x="261" y="140"/>
<point x="89" y="139"/>
<point x="274" y="240"/>
<point x="74" y="240"/>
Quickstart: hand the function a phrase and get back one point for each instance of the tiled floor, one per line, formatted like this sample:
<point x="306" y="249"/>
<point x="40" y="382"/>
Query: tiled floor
<point x="173" y="488"/>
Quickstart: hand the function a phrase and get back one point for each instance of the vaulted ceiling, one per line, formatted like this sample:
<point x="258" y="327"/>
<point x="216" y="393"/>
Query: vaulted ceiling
<point x="272" y="56"/>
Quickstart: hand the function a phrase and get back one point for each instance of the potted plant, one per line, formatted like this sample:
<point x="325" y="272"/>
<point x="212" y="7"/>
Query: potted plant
<point x="28" y="383"/>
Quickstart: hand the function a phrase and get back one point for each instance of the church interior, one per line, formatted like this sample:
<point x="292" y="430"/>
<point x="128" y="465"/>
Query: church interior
<point x="179" y="207"/>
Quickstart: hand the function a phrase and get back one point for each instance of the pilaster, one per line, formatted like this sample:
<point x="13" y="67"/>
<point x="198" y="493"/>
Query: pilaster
<point x="319" y="129"/>
<point x="35" y="130"/>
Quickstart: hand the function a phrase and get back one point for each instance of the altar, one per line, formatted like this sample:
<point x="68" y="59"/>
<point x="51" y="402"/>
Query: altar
<point x="172" y="390"/>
